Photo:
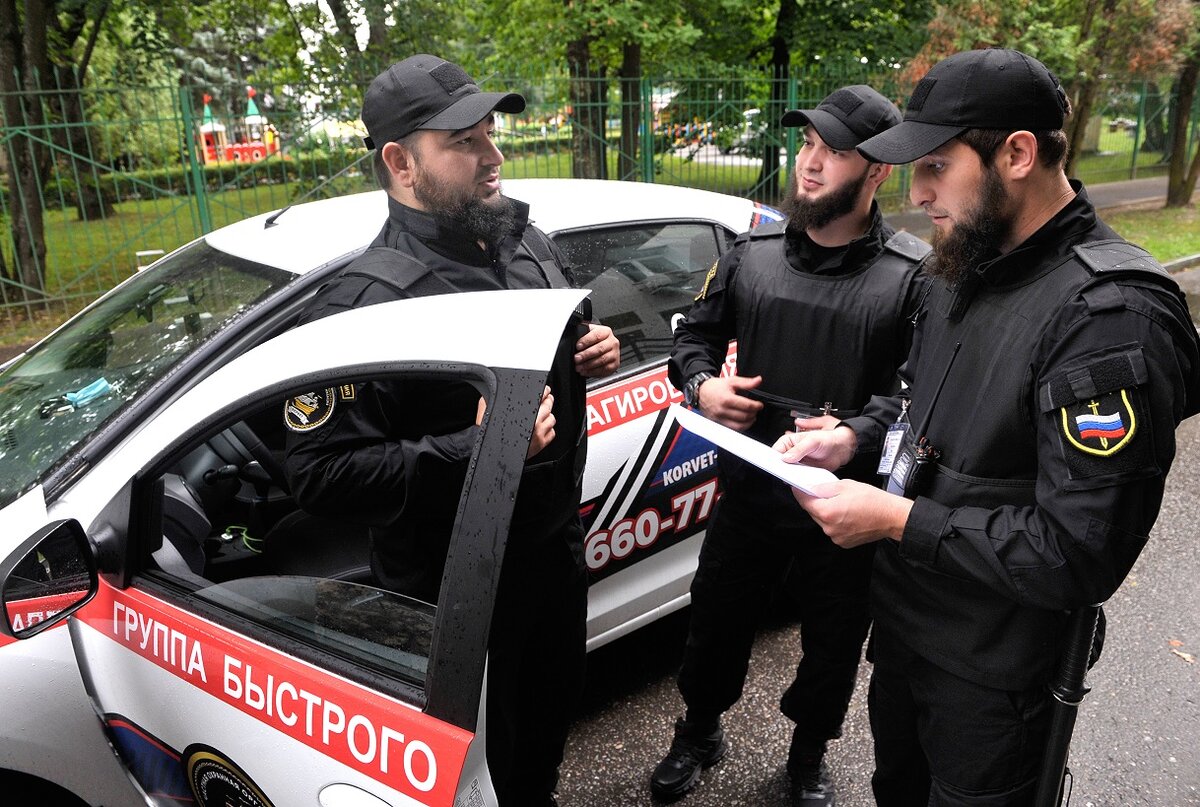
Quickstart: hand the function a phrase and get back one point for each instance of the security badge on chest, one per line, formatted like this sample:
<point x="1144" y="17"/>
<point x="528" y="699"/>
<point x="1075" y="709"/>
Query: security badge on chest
<point x="313" y="409"/>
<point x="1100" y="426"/>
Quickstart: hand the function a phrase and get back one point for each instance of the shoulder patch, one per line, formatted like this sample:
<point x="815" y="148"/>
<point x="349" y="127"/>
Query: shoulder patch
<point x="907" y="245"/>
<point x="312" y="409"/>
<point x="1099" y="409"/>
<point x="769" y="229"/>
<point x="1116" y="255"/>
<point x="1100" y="426"/>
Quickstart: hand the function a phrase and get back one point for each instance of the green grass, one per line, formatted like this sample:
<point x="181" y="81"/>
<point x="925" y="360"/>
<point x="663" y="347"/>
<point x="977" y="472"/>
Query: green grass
<point x="1167" y="234"/>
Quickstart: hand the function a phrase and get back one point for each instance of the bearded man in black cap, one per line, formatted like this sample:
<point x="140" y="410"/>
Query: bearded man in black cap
<point x="819" y="306"/>
<point x="1051" y="364"/>
<point x="395" y="457"/>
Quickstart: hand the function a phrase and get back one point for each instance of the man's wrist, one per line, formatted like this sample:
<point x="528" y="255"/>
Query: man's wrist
<point x="691" y="389"/>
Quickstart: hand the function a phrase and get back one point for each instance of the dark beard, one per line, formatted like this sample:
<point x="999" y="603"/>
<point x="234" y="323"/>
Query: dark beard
<point x="803" y="214"/>
<point x="975" y="239"/>
<point x="486" y="221"/>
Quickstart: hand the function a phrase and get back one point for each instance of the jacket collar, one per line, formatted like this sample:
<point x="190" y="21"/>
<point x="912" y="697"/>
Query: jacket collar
<point x="449" y="239"/>
<point x="1034" y="256"/>
<point x="1037" y="255"/>
<point x="802" y="252"/>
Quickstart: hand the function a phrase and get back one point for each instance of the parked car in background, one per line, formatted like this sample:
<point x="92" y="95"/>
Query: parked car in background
<point x="157" y="575"/>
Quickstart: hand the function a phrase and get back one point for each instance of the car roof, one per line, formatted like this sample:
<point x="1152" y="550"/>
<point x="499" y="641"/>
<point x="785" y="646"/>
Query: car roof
<point x="313" y="234"/>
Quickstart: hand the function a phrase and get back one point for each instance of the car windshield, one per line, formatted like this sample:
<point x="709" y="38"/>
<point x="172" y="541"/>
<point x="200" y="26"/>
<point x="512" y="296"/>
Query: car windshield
<point x="70" y="384"/>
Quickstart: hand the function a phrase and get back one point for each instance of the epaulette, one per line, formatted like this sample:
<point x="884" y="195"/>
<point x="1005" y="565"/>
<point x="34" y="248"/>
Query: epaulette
<point x="770" y="229"/>
<point x="907" y="245"/>
<point x="1117" y="255"/>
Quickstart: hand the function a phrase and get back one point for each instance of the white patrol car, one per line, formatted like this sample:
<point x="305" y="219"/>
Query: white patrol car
<point x="178" y="632"/>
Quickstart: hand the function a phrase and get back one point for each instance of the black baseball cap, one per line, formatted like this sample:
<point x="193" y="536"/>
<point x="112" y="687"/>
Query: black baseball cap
<point x="994" y="88"/>
<point x="427" y="92"/>
<point x="847" y="117"/>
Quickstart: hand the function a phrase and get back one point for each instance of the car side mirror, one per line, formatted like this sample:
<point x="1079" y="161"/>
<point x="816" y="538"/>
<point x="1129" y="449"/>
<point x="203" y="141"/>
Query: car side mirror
<point x="51" y="575"/>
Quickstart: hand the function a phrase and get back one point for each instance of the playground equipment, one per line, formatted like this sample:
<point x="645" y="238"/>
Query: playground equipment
<point x="253" y="138"/>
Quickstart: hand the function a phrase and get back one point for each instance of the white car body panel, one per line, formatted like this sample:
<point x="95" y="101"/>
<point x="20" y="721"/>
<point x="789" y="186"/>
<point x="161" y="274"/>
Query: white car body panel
<point x="348" y="223"/>
<point x="201" y="713"/>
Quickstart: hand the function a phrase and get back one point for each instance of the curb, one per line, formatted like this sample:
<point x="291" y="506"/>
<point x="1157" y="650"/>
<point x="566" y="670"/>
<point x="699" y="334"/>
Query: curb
<point x="1130" y="204"/>
<point x="1180" y="264"/>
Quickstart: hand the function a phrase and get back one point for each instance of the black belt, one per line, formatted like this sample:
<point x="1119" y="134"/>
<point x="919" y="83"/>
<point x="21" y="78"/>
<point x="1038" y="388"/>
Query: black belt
<point x="797" y="409"/>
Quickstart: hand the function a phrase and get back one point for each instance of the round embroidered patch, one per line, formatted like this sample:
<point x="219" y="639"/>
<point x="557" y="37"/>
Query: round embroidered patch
<point x="308" y="411"/>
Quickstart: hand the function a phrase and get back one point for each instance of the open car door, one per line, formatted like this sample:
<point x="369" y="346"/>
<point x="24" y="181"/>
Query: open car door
<point x="235" y="648"/>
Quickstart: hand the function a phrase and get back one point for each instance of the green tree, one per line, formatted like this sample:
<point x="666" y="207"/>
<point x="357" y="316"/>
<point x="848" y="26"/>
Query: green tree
<point x="1182" y="173"/>
<point x="1085" y="42"/>
<point x="807" y="32"/>
<point x="355" y="39"/>
<point x="45" y="49"/>
<point x="597" y="41"/>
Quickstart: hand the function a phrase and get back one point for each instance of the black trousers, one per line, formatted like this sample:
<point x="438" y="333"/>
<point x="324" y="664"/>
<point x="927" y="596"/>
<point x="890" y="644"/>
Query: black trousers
<point x="536" y="658"/>
<point x="941" y="740"/>
<point x="742" y="563"/>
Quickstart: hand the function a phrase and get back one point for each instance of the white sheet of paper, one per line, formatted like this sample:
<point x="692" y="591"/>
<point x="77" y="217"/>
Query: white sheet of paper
<point x="762" y="456"/>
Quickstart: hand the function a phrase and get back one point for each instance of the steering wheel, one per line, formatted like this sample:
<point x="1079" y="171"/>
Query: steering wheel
<point x="272" y="471"/>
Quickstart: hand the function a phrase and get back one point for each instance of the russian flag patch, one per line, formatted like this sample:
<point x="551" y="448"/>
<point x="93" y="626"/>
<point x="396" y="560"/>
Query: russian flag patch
<point x="1102" y="425"/>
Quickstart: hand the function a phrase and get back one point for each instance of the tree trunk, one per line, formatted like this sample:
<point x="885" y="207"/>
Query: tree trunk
<point x="587" y="97"/>
<point x="345" y="27"/>
<point x="1103" y="20"/>
<point x="1172" y="120"/>
<point x="1156" y="132"/>
<point x="766" y="187"/>
<point x="631" y="109"/>
<point x="1084" y="102"/>
<point x="24" y="190"/>
<point x="1181" y="178"/>
<point x="91" y="200"/>
<point x="377" y="36"/>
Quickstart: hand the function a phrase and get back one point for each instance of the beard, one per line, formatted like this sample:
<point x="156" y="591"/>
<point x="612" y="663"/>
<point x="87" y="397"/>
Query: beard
<point x="976" y="238"/>
<point x="486" y="220"/>
<point x="805" y="214"/>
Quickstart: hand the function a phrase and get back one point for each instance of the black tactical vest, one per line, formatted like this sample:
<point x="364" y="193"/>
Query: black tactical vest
<point x="819" y="339"/>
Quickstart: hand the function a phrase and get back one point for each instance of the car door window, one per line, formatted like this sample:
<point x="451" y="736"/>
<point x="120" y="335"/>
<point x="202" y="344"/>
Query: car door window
<point x="220" y="524"/>
<point x="643" y="276"/>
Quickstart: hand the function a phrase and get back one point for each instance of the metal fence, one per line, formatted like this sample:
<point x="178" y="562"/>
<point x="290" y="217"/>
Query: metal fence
<point x="100" y="180"/>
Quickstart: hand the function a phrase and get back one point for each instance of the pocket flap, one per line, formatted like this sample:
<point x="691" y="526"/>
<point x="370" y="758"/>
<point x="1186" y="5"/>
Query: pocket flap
<point x="1099" y="374"/>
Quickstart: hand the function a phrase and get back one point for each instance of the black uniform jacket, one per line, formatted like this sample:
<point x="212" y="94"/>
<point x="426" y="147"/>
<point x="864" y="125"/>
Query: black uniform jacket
<point x="393" y="455"/>
<point x="820" y="325"/>
<point x="1056" y="426"/>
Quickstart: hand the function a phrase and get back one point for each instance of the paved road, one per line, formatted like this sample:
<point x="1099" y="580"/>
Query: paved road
<point x="1138" y="732"/>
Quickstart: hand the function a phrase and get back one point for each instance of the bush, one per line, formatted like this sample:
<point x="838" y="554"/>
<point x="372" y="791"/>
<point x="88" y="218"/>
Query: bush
<point x="311" y="168"/>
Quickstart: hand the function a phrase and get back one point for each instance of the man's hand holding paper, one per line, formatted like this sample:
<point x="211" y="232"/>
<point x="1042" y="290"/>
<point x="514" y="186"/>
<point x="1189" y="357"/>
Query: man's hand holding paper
<point x="851" y="513"/>
<point x="805" y="477"/>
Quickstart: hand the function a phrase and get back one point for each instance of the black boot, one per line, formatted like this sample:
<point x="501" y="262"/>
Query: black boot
<point x="694" y="747"/>
<point x="811" y="786"/>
